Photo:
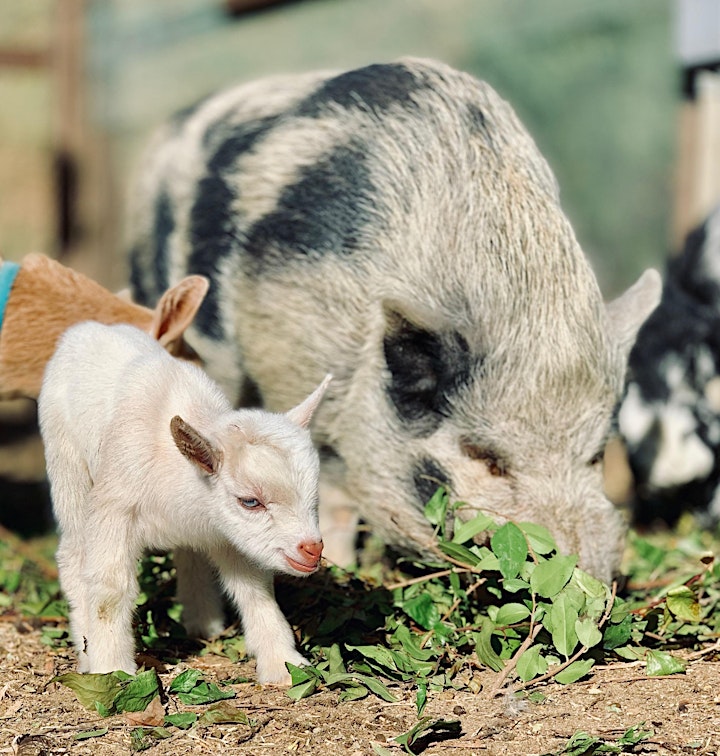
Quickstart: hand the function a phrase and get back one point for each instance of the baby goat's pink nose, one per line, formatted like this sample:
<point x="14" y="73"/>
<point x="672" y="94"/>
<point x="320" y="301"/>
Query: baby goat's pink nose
<point x="313" y="549"/>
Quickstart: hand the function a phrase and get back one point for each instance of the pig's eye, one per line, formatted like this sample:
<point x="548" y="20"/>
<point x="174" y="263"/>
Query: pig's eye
<point x="496" y="465"/>
<point x="250" y="503"/>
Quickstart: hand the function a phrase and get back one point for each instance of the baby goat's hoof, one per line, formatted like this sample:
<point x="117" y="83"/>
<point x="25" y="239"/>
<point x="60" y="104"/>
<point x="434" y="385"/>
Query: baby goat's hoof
<point x="276" y="673"/>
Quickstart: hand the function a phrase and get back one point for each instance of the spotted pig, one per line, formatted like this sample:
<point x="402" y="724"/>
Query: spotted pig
<point x="670" y="416"/>
<point x="395" y="225"/>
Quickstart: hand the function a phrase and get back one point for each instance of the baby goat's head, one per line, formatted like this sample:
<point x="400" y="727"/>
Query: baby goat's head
<point x="263" y="472"/>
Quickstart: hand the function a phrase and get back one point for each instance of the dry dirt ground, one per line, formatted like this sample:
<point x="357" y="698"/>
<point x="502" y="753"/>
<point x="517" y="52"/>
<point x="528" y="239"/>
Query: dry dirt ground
<point x="683" y="712"/>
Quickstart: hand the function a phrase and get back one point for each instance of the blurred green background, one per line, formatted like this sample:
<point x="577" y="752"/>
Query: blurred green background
<point x="595" y="81"/>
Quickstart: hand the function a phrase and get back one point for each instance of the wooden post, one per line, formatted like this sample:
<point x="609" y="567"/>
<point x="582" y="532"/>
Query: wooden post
<point x="87" y="221"/>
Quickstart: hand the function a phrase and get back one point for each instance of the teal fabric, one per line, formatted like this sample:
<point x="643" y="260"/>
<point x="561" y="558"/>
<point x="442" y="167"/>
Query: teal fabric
<point x="8" y="271"/>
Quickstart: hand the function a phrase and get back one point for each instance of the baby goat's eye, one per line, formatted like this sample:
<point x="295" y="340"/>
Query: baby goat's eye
<point x="250" y="503"/>
<point x="597" y="459"/>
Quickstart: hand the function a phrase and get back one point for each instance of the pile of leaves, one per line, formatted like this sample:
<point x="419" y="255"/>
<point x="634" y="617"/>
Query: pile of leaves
<point x="511" y="604"/>
<point x="495" y="597"/>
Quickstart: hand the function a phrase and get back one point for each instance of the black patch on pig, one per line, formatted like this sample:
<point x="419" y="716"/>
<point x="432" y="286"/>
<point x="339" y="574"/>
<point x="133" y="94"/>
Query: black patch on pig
<point x="428" y="476"/>
<point x="213" y="222"/>
<point x="690" y="269"/>
<point x="327" y="211"/>
<point x="147" y="290"/>
<point x="378" y="87"/>
<point x="477" y="123"/>
<point x="163" y="226"/>
<point x="140" y="293"/>
<point x="425" y="370"/>
<point x="250" y="394"/>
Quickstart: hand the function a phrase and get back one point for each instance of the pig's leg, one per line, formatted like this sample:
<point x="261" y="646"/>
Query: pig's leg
<point x="197" y="591"/>
<point x="338" y="516"/>
<point x="268" y="636"/>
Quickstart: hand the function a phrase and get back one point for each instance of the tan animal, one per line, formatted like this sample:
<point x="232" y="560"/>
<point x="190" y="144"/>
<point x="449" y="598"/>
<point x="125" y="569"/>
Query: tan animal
<point x="41" y="298"/>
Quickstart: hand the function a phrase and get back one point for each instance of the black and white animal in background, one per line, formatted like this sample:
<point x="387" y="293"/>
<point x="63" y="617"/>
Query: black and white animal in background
<point x="396" y="225"/>
<point x="670" y="416"/>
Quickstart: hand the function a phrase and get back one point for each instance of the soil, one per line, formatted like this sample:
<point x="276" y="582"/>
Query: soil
<point x="38" y="716"/>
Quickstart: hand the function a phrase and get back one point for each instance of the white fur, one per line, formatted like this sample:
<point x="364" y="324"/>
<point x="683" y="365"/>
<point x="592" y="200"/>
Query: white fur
<point x="682" y="456"/>
<point x="122" y="482"/>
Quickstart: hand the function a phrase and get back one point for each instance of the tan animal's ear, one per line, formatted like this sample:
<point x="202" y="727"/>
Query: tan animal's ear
<point x="195" y="447"/>
<point x="177" y="308"/>
<point x="302" y="414"/>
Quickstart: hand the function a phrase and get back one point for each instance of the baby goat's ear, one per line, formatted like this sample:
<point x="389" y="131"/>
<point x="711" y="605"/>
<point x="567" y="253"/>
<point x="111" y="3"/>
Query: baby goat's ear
<point x="177" y="308"/>
<point x="195" y="446"/>
<point x="302" y="414"/>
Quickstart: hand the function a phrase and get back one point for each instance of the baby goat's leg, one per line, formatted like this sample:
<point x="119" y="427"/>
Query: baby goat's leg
<point x="268" y="636"/>
<point x="111" y="585"/>
<point x="197" y="591"/>
<point x="71" y="486"/>
<point x="70" y="561"/>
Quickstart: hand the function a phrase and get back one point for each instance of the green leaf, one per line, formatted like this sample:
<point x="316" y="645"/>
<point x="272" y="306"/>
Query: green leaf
<point x="634" y="735"/>
<point x="353" y="693"/>
<point x="510" y="547"/>
<point x="512" y="613"/>
<point x="182" y="719"/>
<point x="186" y="681"/>
<point x="421" y="697"/>
<point x="550" y="577"/>
<point x="541" y="542"/>
<point x="591" y="586"/>
<point x="335" y="660"/>
<point x="683" y="603"/>
<point x="378" y="688"/>
<point x="379" y="654"/>
<point x="382" y="751"/>
<point x="563" y="616"/>
<point x="619" y="634"/>
<point x="662" y="663"/>
<point x="515" y="584"/>
<point x="459" y="553"/>
<point x="580" y="744"/>
<point x="466" y="531"/>
<point x="92" y="688"/>
<point x="574" y="671"/>
<point x="303" y="689"/>
<point x="423" y="610"/>
<point x="142" y="738"/>
<point x="430" y="730"/>
<point x="530" y="664"/>
<point x="203" y="693"/>
<point x="91" y="734"/>
<point x="136" y="694"/>
<point x="222" y="713"/>
<point x="486" y="654"/>
<point x="299" y="674"/>
<point x="436" y="509"/>
<point x="588" y="632"/>
<point x="411" y="644"/>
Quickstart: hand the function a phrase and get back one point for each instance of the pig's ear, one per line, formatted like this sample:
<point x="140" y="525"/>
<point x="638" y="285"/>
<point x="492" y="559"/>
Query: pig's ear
<point x="628" y="312"/>
<point x="302" y="414"/>
<point x="425" y="363"/>
<point x="177" y="308"/>
<point x="195" y="447"/>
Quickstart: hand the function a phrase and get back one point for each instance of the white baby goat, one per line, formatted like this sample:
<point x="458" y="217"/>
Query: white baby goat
<point x="144" y="451"/>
